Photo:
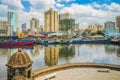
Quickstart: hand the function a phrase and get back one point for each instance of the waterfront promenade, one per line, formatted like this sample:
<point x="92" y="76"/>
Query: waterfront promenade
<point x="79" y="71"/>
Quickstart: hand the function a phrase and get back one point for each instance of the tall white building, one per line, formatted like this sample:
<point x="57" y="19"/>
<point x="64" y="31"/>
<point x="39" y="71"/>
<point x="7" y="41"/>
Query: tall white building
<point x="13" y="19"/>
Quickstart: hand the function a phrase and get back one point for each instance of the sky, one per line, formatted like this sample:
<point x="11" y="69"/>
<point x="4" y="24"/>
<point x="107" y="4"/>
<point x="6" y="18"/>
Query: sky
<point x="85" y="12"/>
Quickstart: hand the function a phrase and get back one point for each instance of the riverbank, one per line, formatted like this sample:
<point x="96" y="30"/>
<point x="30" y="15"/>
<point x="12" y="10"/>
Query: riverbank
<point x="64" y="69"/>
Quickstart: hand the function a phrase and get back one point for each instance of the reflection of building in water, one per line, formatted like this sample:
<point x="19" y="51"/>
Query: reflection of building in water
<point x="7" y="52"/>
<point x="118" y="52"/>
<point x="67" y="52"/>
<point x="19" y="67"/>
<point x="77" y="50"/>
<point x="51" y="55"/>
<point x="36" y="50"/>
<point x="111" y="49"/>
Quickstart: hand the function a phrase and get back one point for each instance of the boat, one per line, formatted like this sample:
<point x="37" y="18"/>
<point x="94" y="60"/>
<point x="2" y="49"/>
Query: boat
<point x="17" y="43"/>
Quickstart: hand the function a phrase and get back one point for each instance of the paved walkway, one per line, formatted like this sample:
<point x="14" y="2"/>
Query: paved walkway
<point x="84" y="74"/>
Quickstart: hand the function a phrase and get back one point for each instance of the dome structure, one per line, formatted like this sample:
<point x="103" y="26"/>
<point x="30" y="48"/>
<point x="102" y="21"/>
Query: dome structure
<point x="19" y="59"/>
<point x="20" y="78"/>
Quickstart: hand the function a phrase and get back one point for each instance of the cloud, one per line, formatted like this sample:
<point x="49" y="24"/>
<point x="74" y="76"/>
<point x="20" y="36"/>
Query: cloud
<point x="65" y="0"/>
<point x="89" y="14"/>
<point x="84" y="14"/>
<point x="60" y="5"/>
<point x="42" y="4"/>
<point x="3" y="10"/>
<point x="13" y="4"/>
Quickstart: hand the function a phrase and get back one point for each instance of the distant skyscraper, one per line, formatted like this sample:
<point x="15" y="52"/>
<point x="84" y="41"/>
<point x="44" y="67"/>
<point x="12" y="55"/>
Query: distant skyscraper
<point x="34" y="25"/>
<point x="110" y="25"/>
<point x="95" y="27"/>
<point x="24" y="27"/>
<point x="4" y="27"/>
<point x="110" y="29"/>
<point x="13" y="19"/>
<point x="51" y="20"/>
<point x="118" y="22"/>
<point x="65" y="16"/>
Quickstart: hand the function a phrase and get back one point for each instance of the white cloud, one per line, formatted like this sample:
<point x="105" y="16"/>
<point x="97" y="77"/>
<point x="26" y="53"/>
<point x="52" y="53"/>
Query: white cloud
<point x="88" y="14"/>
<point x="60" y="5"/>
<point x="84" y="14"/>
<point x="65" y="0"/>
<point x="13" y="4"/>
<point x="3" y="10"/>
<point x="42" y="4"/>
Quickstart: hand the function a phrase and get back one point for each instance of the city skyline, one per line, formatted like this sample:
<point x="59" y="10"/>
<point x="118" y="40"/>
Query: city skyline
<point x="84" y="12"/>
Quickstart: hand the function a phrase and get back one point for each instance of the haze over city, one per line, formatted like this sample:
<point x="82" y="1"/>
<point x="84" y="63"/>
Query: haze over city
<point x="84" y="12"/>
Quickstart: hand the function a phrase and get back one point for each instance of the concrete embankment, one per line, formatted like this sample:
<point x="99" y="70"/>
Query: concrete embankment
<point x="47" y="70"/>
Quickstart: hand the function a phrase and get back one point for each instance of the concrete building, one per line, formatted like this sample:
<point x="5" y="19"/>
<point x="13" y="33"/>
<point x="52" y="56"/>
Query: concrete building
<point x="118" y="22"/>
<point x="4" y="27"/>
<point x="66" y="25"/>
<point x="110" y="25"/>
<point x="65" y="16"/>
<point x="13" y="19"/>
<point x="34" y="25"/>
<point x="24" y="27"/>
<point x="95" y="27"/>
<point x="51" y="20"/>
<point x="76" y="26"/>
<point x="110" y="29"/>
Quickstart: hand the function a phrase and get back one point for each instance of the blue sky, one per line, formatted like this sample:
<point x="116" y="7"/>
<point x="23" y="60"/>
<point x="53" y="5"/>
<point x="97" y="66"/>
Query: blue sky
<point x="27" y="4"/>
<point x="85" y="12"/>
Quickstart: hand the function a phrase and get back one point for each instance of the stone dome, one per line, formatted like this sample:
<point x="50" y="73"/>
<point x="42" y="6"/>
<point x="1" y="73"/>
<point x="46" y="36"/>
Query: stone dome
<point x="20" y="78"/>
<point x="19" y="59"/>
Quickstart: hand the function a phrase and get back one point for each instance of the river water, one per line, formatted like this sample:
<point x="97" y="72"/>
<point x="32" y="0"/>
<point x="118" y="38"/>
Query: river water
<point x="43" y="56"/>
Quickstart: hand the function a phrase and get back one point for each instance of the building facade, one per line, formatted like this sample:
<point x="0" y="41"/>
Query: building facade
<point x="13" y="19"/>
<point x="95" y="27"/>
<point x="65" y="16"/>
<point x="34" y="25"/>
<point x="118" y="22"/>
<point x="24" y="27"/>
<point x="110" y="25"/>
<point x="51" y="20"/>
<point x="66" y="25"/>
<point x="110" y="29"/>
<point x="4" y="27"/>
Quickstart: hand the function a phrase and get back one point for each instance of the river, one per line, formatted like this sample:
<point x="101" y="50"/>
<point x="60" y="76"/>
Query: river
<point x="43" y="56"/>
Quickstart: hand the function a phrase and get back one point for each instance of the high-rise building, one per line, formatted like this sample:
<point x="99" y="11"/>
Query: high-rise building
<point x="67" y="25"/>
<point x="118" y="22"/>
<point x="76" y="26"/>
<point x="4" y="27"/>
<point x="110" y="29"/>
<point x="34" y="25"/>
<point x="65" y="16"/>
<point x="13" y="19"/>
<point x="110" y="25"/>
<point x="51" y="20"/>
<point x="95" y="27"/>
<point x="24" y="27"/>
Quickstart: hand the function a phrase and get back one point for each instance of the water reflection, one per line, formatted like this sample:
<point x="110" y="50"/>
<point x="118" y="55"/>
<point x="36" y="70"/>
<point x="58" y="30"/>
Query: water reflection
<point x="63" y="54"/>
<point x="111" y="49"/>
<point x="51" y="55"/>
<point x="67" y="52"/>
<point x="118" y="52"/>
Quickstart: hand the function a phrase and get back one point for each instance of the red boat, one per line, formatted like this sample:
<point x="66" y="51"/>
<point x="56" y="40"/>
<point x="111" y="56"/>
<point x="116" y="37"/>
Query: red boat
<point x="16" y="43"/>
